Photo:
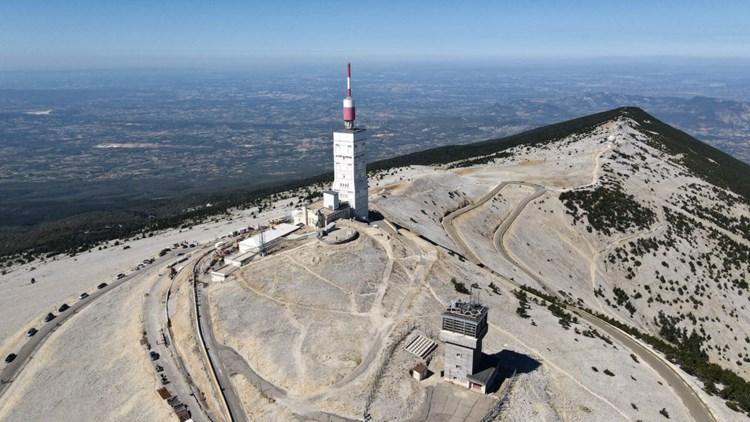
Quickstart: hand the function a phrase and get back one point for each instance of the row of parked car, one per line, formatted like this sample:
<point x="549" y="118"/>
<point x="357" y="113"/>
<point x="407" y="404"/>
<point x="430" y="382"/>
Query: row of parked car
<point x="50" y="316"/>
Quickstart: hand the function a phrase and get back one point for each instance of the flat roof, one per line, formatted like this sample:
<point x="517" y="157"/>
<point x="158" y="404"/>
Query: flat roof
<point x="225" y="270"/>
<point x="318" y="206"/>
<point x="343" y="130"/>
<point x="470" y="311"/>
<point x="269" y="235"/>
<point x="420" y="368"/>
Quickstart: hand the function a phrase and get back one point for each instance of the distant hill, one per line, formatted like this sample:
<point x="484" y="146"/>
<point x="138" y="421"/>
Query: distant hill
<point x="705" y="161"/>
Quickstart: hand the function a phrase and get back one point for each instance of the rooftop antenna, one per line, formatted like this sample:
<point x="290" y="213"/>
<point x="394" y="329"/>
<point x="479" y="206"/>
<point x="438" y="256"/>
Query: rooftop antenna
<point x="349" y="112"/>
<point x="261" y="238"/>
<point x="474" y="296"/>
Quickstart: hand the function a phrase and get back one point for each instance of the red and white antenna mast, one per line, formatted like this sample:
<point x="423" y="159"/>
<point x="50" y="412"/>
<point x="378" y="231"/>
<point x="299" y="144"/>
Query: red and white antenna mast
<point x="349" y="100"/>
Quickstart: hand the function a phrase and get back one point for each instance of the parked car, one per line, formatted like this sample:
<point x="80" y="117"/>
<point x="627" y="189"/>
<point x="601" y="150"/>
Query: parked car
<point x="83" y="295"/>
<point x="31" y="332"/>
<point x="63" y="308"/>
<point x="11" y="357"/>
<point x="50" y="316"/>
<point x="154" y="355"/>
<point x="101" y="286"/>
<point x="119" y="276"/>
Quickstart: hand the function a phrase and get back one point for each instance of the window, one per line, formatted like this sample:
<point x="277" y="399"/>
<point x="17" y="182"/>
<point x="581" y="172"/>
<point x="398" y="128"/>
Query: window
<point x="458" y="366"/>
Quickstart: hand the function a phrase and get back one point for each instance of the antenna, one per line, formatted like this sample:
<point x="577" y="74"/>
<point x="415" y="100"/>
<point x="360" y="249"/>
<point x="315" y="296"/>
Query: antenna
<point x="349" y="112"/>
<point x="474" y="296"/>
<point x="261" y="238"/>
<point x="348" y="79"/>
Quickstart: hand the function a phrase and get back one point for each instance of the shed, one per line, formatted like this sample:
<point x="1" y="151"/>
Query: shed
<point x="419" y="372"/>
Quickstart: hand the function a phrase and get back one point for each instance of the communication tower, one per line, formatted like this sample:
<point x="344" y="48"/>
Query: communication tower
<point x="349" y="161"/>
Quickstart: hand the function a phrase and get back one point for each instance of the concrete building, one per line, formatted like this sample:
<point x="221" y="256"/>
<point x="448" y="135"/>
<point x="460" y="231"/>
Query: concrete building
<point x="419" y="372"/>
<point x="349" y="161"/>
<point x="270" y="237"/>
<point x="318" y="215"/>
<point x="222" y="273"/>
<point x="464" y="327"/>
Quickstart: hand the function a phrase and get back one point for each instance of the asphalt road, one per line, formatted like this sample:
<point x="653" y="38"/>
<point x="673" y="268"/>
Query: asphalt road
<point x="13" y="369"/>
<point x="695" y="406"/>
<point x="458" y="240"/>
<point x="232" y="400"/>
<point x="155" y="322"/>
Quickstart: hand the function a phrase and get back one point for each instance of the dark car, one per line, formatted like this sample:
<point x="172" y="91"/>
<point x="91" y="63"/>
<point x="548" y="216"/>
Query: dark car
<point x="50" y="316"/>
<point x="10" y="358"/>
<point x="154" y="355"/>
<point x="101" y="286"/>
<point x="31" y="332"/>
<point x="63" y="308"/>
<point x="83" y="295"/>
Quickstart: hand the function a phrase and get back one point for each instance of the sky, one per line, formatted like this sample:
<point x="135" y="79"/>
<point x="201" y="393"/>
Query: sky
<point x="75" y="34"/>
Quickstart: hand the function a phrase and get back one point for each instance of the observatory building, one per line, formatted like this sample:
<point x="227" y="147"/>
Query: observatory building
<point x="349" y="163"/>
<point x="464" y="327"/>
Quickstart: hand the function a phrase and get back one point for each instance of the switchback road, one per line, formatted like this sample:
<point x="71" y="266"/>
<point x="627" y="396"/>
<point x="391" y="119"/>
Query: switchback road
<point x="695" y="406"/>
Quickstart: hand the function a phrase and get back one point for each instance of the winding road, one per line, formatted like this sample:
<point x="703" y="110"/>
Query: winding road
<point x="695" y="406"/>
<point x="13" y="369"/>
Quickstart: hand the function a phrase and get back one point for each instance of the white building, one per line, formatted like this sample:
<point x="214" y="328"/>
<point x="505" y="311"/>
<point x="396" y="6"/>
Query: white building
<point x="271" y="237"/>
<point x="350" y="169"/>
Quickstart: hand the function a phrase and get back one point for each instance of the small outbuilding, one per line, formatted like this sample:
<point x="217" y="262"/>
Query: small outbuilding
<point x="419" y="372"/>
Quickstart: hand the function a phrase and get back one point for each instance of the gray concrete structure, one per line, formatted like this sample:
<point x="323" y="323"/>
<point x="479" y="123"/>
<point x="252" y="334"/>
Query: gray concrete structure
<point x="464" y="327"/>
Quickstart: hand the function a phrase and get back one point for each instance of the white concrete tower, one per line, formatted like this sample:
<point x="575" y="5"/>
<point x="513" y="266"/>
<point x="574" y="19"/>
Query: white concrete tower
<point x="349" y="163"/>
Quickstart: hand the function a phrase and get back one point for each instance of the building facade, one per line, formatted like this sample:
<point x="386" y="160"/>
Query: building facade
<point x="350" y="170"/>
<point x="464" y="328"/>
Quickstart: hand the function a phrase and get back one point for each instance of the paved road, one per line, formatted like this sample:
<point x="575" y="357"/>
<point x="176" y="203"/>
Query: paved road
<point x="229" y="395"/>
<point x="13" y="369"/>
<point x="458" y="240"/>
<point x="695" y="406"/>
<point x="155" y="322"/>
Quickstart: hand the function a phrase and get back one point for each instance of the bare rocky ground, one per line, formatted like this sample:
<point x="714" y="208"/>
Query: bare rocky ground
<point x="587" y="265"/>
<point x="272" y="334"/>
<point x="320" y="320"/>
<point x="92" y="368"/>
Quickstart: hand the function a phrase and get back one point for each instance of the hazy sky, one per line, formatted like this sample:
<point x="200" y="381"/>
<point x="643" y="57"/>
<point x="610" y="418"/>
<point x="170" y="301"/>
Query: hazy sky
<point x="106" y="34"/>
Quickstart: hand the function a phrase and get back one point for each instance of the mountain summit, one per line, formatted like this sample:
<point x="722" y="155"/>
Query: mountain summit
<point x="616" y="213"/>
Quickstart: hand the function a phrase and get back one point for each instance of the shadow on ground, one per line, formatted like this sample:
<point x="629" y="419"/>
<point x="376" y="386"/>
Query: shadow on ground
<point x="509" y="363"/>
